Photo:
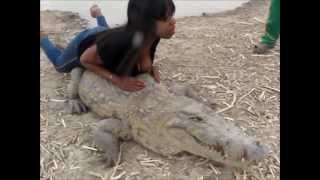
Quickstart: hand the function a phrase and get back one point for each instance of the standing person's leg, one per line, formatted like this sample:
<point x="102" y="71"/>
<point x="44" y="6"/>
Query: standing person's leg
<point x="95" y="12"/>
<point x="272" y="32"/>
<point x="273" y="24"/>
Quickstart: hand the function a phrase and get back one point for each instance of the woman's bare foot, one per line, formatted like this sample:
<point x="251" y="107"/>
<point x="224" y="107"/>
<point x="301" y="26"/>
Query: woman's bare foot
<point x="95" y="11"/>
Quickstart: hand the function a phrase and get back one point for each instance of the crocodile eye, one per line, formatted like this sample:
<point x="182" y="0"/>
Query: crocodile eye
<point x="196" y="118"/>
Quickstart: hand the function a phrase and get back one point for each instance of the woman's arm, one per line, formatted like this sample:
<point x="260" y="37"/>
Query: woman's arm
<point x="91" y="60"/>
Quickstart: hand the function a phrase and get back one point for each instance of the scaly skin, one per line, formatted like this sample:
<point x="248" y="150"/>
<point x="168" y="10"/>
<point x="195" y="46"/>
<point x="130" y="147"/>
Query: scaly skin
<point x="165" y="123"/>
<point x="75" y="105"/>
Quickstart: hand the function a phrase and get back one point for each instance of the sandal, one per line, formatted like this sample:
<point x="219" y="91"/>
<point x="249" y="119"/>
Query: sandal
<point x="262" y="48"/>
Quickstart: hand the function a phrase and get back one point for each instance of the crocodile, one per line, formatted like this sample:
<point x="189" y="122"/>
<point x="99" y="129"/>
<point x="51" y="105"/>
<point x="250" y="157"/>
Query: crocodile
<point x="162" y="121"/>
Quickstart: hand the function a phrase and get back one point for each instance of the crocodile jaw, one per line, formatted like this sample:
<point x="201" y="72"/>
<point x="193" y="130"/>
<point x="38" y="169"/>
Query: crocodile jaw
<point x="215" y="138"/>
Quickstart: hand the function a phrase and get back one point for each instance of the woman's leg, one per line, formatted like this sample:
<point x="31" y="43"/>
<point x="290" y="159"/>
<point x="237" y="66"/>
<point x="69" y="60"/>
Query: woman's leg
<point x="66" y="60"/>
<point x="101" y="21"/>
<point x="69" y="57"/>
<point x="51" y="50"/>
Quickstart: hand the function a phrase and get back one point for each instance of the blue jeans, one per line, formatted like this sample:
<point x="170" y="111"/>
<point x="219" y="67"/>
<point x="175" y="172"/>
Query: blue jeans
<point x="64" y="61"/>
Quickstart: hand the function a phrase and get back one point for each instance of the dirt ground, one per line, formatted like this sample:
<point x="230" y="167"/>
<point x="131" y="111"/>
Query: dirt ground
<point x="212" y="52"/>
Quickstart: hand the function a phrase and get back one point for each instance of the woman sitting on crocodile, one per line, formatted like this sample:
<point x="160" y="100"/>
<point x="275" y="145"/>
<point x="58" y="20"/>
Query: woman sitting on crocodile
<point x="117" y="54"/>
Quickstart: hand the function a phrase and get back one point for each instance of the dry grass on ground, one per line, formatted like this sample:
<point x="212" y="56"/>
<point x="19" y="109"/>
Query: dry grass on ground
<point x="214" y="53"/>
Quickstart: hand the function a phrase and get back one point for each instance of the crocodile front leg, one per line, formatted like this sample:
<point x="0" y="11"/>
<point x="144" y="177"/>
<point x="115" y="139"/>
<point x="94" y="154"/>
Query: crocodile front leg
<point x="107" y="135"/>
<point x="75" y="105"/>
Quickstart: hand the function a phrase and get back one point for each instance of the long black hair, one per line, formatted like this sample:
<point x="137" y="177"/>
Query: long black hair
<point x="142" y="14"/>
<point x="141" y="24"/>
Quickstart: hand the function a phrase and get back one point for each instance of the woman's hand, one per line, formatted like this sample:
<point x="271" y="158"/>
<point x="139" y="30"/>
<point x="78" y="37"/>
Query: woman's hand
<point x="155" y="74"/>
<point x="129" y="83"/>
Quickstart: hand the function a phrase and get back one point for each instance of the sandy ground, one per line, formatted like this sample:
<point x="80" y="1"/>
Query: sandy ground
<point x="214" y="53"/>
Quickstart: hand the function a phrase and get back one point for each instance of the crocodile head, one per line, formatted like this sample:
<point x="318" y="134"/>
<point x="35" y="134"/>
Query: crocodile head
<point x="185" y="125"/>
<point x="196" y="130"/>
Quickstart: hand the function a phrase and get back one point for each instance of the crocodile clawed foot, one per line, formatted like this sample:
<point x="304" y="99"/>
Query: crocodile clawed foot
<point x="107" y="142"/>
<point x="76" y="106"/>
<point x="109" y="160"/>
